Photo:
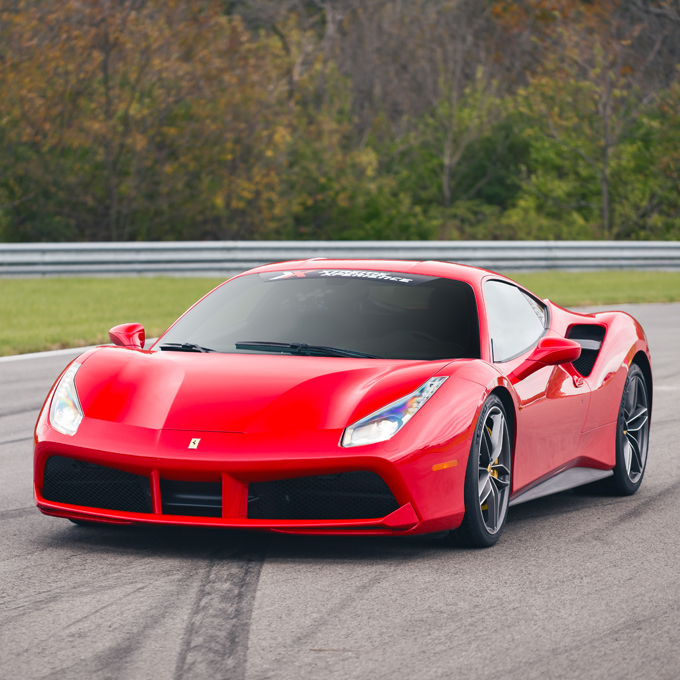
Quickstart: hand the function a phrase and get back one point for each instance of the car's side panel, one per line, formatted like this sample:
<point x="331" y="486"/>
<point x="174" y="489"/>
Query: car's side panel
<point x="553" y="410"/>
<point x="582" y="430"/>
<point x="597" y="447"/>
<point x="623" y="340"/>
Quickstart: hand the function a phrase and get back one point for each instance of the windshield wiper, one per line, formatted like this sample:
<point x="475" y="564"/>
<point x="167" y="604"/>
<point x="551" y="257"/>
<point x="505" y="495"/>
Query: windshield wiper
<point x="302" y="348"/>
<point x="184" y="347"/>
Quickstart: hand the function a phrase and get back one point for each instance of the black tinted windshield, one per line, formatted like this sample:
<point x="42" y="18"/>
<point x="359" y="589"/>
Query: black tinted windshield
<point x="390" y="315"/>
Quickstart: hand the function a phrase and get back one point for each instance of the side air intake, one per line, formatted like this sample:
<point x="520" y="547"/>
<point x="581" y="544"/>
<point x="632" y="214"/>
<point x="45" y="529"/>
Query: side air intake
<point x="590" y="337"/>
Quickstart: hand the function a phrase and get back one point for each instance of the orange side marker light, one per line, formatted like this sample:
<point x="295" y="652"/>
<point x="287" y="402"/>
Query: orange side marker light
<point x="443" y="466"/>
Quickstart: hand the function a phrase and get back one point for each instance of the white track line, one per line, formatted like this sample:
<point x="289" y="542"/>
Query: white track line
<point x="45" y="355"/>
<point x="59" y="352"/>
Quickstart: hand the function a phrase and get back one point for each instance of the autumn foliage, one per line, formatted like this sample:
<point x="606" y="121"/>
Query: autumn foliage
<point x="203" y="119"/>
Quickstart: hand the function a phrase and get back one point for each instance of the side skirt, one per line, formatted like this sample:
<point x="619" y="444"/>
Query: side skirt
<point x="568" y="479"/>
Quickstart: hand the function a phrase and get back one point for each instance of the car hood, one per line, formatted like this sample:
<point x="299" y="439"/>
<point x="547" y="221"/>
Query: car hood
<point x="240" y="392"/>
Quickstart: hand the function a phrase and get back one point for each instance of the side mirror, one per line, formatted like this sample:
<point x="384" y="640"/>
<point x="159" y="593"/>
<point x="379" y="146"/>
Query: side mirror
<point x="128" y="335"/>
<point x="548" y="352"/>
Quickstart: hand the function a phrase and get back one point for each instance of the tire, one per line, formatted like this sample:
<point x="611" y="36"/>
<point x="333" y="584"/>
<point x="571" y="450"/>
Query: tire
<point x="488" y="476"/>
<point x="632" y="435"/>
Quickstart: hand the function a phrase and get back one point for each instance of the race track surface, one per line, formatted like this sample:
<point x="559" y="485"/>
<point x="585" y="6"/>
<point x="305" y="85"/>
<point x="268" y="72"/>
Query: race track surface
<point x="579" y="586"/>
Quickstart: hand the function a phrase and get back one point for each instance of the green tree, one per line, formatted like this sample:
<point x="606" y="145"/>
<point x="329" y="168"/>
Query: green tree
<point x="139" y="119"/>
<point x="586" y="101"/>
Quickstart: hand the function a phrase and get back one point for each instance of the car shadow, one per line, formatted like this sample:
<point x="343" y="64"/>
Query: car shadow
<point x="207" y="543"/>
<point x="210" y="543"/>
<point x="580" y="499"/>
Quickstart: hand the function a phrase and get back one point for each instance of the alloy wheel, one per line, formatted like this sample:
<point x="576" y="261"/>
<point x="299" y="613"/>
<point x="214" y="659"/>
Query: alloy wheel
<point x="494" y="470"/>
<point x="635" y="424"/>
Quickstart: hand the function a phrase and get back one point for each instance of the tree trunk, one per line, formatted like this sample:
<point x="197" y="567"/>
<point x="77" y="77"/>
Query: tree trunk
<point x="604" y="186"/>
<point x="446" y="169"/>
<point x="604" y="178"/>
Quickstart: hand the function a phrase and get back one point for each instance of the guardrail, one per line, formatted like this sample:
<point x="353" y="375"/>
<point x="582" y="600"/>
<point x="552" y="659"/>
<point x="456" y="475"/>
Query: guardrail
<point x="225" y="258"/>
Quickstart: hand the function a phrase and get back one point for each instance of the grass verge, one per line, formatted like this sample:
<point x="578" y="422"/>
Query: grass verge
<point x="54" y="313"/>
<point x="572" y="289"/>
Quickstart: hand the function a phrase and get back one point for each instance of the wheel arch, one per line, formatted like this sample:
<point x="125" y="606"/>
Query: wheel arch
<point x="504" y="395"/>
<point x="641" y="360"/>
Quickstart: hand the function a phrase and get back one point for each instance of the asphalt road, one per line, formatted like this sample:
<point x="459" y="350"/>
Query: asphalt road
<point x="579" y="586"/>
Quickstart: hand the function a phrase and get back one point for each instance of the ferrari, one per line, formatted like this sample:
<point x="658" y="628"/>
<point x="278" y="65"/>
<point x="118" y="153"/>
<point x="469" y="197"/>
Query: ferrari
<point x="349" y="398"/>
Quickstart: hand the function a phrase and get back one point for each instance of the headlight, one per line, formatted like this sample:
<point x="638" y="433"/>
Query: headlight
<point x="65" y="411"/>
<point x="386" y="422"/>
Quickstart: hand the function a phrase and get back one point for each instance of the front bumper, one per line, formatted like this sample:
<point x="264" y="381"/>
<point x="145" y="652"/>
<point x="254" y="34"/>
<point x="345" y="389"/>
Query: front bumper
<point x="428" y="500"/>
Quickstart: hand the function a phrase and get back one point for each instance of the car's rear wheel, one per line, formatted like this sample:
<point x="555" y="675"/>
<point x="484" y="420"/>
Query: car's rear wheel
<point x="487" y="479"/>
<point x="632" y="434"/>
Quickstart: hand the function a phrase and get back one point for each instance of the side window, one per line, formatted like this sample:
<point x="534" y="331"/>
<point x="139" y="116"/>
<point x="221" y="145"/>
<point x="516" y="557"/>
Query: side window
<point x="516" y="320"/>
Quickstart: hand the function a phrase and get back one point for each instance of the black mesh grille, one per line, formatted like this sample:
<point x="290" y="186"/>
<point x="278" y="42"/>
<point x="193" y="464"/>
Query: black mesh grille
<point x="590" y="337"/>
<point x="584" y="364"/>
<point x="95" y="486"/>
<point x="195" y="499"/>
<point x="349" y="495"/>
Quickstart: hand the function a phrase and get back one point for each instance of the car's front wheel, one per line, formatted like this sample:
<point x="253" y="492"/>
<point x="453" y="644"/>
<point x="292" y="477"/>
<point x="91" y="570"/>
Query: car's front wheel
<point x="487" y="479"/>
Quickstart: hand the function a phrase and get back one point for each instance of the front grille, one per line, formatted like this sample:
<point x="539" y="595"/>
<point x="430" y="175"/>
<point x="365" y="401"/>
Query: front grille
<point x="348" y="495"/>
<point x="195" y="499"/>
<point x="77" y="483"/>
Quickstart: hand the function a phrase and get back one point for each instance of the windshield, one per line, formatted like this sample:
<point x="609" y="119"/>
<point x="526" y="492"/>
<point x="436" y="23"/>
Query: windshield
<point x="387" y="315"/>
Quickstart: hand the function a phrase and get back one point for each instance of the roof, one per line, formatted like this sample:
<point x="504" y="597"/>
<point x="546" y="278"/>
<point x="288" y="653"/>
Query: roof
<point x="449" y="270"/>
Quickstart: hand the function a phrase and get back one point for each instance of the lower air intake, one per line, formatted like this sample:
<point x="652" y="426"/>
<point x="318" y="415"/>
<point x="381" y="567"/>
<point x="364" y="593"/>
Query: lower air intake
<point x="195" y="499"/>
<point x="95" y="486"/>
<point x="348" y="495"/>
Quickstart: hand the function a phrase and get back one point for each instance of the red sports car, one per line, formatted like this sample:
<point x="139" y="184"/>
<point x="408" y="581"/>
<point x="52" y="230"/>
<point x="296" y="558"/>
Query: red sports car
<point x="349" y="397"/>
